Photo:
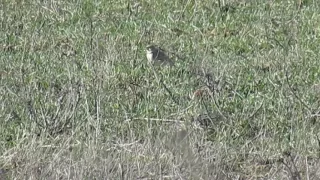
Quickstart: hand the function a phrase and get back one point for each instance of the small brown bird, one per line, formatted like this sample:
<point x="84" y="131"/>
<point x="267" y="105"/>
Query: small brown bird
<point x="157" y="56"/>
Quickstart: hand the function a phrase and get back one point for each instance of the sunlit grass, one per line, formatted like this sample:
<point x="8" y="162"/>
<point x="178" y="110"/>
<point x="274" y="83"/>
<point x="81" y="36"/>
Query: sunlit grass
<point x="79" y="101"/>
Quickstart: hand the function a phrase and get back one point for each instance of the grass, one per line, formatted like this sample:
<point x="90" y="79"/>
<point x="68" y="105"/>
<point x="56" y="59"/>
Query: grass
<point x="79" y="101"/>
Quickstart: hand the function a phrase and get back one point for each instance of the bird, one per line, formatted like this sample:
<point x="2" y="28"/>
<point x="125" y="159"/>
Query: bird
<point x="157" y="56"/>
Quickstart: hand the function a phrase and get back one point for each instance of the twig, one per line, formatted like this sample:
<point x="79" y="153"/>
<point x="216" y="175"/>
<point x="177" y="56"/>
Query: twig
<point x="155" y="119"/>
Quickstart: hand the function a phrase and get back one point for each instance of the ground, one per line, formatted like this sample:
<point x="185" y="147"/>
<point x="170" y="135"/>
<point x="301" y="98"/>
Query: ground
<point x="80" y="101"/>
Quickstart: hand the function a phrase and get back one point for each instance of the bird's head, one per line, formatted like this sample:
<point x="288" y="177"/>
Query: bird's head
<point x="151" y="48"/>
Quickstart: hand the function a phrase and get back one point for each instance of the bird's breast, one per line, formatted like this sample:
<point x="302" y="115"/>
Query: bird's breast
<point x="149" y="57"/>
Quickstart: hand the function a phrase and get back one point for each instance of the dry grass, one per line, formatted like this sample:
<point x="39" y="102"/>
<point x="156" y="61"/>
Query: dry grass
<point x="79" y="101"/>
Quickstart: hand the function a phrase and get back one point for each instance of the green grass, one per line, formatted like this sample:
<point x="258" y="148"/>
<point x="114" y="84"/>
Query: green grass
<point x="79" y="101"/>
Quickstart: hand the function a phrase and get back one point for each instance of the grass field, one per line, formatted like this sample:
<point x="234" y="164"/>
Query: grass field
<point x="79" y="100"/>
